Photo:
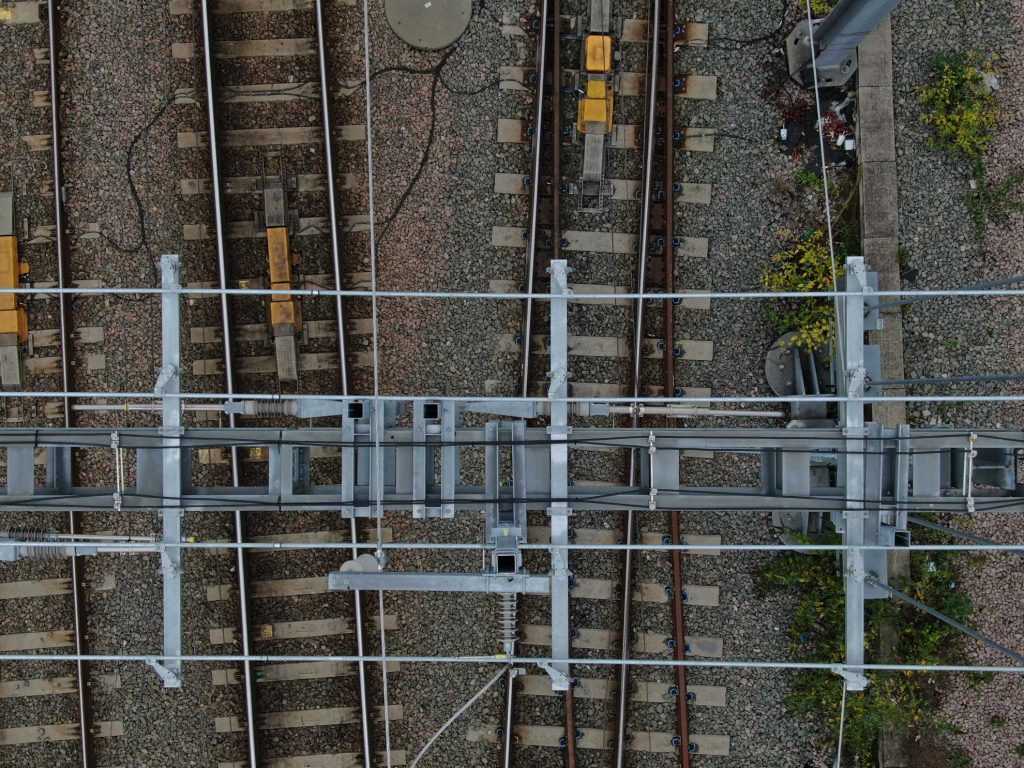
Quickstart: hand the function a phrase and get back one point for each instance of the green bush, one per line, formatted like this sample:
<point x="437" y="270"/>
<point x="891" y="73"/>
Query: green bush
<point x="817" y="633"/>
<point x="959" y="106"/>
<point x="804" y="266"/>
<point x="809" y="179"/>
<point x="962" y="113"/>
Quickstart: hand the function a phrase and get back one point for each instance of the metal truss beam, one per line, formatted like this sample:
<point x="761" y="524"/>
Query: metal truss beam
<point x="937" y="467"/>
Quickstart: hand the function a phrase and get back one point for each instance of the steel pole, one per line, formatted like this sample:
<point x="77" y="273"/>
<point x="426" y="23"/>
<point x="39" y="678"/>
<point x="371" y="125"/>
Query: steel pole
<point x="229" y="376"/>
<point x="537" y="148"/>
<point x="64" y="312"/>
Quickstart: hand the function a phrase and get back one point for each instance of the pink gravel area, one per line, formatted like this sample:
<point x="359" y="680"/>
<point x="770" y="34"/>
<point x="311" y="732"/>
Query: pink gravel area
<point x="990" y="715"/>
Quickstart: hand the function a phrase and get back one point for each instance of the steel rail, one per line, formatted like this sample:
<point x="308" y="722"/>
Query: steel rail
<point x="646" y="190"/>
<point x="229" y="377"/>
<point x="332" y="203"/>
<point x="669" y="322"/>
<point x="537" y="150"/>
<point x="536" y="162"/>
<point x="339" y="306"/>
<point x="85" y="738"/>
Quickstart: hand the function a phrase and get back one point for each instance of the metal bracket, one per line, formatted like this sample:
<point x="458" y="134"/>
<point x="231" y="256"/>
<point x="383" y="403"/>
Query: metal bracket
<point x="855" y="681"/>
<point x="167" y="373"/>
<point x="560" y="681"/>
<point x="171" y="678"/>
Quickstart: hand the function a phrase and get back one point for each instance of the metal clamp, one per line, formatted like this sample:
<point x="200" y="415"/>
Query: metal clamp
<point x="560" y="681"/>
<point x="652" y="503"/>
<point x="118" y="498"/>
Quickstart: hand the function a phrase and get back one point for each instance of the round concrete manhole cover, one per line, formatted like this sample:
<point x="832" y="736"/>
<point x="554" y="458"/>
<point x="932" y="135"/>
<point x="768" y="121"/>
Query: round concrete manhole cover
<point x="428" y="24"/>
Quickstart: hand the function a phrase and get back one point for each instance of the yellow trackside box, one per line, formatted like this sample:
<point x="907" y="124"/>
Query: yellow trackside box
<point x="286" y="313"/>
<point x="280" y="258"/>
<point x="284" y="309"/>
<point x="596" y="108"/>
<point x="598" y="54"/>
<point x="13" y="318"/>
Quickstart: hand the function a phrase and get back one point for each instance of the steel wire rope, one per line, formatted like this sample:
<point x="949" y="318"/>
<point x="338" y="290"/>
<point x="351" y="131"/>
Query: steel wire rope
<point x="820" y="125"/>
<point x="458" y="712"/>
<point x="842" y="722"/>
<point x="145" y="545"/>
<point x="610" y="441"/>
<point x="378" y="454"/>
<point x="954" y="504"/>
<point x="526" y="660"/>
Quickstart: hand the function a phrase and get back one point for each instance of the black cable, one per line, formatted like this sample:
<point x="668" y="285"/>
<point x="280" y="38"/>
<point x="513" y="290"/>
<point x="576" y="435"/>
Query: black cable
<point x="736" y="44"/>
<point x="610" y="442"/>
<point x="425" y="157"/>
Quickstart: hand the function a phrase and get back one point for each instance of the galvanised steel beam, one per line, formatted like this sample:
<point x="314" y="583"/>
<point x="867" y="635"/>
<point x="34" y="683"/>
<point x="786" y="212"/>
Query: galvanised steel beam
<point x="835" y="39"/>
<point x="853" y="519"/>
<point x="938" y="462"/>
<point x="558" y="471"/>
<point x="168" y="383"/>
<point x="348" y="579"/>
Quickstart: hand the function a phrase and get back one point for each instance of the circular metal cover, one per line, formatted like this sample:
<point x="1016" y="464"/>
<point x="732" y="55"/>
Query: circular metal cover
<point x="428" y="24"/>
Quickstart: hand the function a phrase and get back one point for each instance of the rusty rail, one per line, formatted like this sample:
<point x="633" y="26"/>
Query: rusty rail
<point x="678" y="617"/>
<point x="85" y="737"/>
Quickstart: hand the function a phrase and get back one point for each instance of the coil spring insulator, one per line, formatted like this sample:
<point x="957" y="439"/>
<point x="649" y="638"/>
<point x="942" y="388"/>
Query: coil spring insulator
<point x="273" y="408"/>
<point x="54" y="552"/>
<point x="507" y="615"/>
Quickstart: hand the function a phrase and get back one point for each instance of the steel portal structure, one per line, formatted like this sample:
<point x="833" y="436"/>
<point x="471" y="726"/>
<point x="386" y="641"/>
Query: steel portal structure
<point x="866" y="477"/>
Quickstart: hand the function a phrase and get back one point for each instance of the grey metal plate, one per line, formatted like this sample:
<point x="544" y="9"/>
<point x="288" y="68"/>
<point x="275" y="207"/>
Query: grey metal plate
<point x="428" y="24"/>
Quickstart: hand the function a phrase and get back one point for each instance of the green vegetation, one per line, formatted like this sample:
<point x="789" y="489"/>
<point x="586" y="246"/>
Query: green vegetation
<point x="821" y="7"/>
<point x="809" y="179"/>
<point x="816" y="633"/>
<point x="962" y="112"/>
<point x="1019" y="750"/>
<point x="805" y="266"/>
<point x="987" y="203"/>
<point x="960" y="108"/>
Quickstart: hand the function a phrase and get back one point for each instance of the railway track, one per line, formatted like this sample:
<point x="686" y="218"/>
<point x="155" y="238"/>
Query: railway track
<point x="29" y="583"/>
<point x="278" y="215"/>
<point x="267" y="106"/>
<point x="266" y="148"/>
<point x="575" y="205"/>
